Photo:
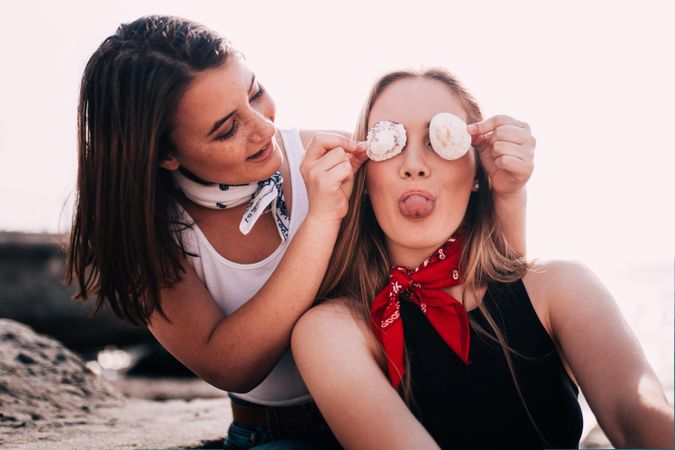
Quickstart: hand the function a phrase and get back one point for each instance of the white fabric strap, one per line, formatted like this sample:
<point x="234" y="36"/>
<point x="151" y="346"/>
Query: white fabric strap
<point x="259" y="195"/>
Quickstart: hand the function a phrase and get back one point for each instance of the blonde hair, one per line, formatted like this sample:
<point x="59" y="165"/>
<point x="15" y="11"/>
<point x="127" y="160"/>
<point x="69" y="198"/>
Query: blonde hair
<point x="359" y="267"/>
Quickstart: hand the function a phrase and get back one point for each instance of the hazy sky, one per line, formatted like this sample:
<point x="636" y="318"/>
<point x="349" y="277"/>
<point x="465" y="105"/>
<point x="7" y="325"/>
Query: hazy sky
<point x="593" y="79"/>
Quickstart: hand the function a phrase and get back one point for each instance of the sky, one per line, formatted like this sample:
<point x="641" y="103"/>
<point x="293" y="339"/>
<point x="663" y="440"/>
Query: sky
<point x="593" y="79"/>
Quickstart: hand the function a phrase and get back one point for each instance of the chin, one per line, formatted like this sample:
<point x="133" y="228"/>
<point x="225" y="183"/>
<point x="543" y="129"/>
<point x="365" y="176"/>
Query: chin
<point x="420" y="234"/>
<point x="277" y="158"/>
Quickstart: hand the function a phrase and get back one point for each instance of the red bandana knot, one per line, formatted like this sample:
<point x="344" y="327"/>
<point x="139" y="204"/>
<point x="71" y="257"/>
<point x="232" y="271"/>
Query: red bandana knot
<point x="423" y="286"/>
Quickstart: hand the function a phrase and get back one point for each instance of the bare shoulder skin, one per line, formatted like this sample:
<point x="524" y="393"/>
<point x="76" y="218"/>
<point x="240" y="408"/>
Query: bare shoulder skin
<point x="603" y="354"/>
<point x="342" y="365"/>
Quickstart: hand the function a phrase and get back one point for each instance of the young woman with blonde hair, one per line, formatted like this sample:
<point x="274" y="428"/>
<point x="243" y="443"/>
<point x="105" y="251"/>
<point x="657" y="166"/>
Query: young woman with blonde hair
<point x="437" y="333"/>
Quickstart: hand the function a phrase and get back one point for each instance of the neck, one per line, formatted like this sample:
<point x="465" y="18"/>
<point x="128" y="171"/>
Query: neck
<point x="402" y="255"/>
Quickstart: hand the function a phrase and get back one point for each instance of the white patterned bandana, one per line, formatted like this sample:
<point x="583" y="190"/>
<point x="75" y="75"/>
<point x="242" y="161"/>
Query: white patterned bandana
<point x="260" y="195"/>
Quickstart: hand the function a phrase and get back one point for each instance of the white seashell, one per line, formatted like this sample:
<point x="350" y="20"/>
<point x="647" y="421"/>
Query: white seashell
<point x="386" y="140"/>
<point x="448" y="136"/>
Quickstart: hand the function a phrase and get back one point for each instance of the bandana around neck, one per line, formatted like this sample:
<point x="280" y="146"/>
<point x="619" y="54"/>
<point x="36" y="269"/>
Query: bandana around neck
<point x="423" y="286"/>
<point x="259" y="196"/>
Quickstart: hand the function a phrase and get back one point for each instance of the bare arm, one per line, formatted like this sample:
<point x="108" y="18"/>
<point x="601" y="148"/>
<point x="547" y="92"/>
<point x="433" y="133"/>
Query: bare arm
<point x="506" y="148"/>
<point x="236" y="352"/>
<point x="606" y="358"/>
<point x="511" y="211"/>
<point x="338" y="363"/>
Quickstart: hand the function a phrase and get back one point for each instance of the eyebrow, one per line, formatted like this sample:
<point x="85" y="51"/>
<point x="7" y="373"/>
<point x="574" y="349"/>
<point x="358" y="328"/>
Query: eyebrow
<point x="220" y="122"/>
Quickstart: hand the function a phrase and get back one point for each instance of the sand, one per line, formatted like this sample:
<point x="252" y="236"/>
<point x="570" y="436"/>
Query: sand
<point x="50" y="399"/>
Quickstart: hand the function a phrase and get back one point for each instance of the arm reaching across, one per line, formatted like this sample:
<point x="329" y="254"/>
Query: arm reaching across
<point x="236" y="352"/>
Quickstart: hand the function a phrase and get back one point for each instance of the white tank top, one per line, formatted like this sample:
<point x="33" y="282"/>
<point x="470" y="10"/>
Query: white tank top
<point x="232" y="284"/>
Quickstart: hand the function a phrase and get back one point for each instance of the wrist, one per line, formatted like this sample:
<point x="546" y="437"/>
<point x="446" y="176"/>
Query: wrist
<point x="519" y="196"/>
<point x="323" y="222"/>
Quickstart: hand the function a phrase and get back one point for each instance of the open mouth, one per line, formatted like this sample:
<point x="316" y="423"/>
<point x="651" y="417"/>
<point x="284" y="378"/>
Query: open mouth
<point x="416" y="204"/>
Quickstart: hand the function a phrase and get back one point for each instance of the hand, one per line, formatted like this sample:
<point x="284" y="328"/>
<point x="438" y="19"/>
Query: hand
<point x="328" y="170"/>
<point x="506" y="149"/>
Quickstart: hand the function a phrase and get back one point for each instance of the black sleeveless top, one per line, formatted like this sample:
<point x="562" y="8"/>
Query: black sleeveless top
<point x="477" y="405"/>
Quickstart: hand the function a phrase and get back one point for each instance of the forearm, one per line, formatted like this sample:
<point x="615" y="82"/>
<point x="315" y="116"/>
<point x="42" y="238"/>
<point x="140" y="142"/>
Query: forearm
<point x="650" y="425"/>
<point x="265" y="322"/>
<point x="511" y="212"/>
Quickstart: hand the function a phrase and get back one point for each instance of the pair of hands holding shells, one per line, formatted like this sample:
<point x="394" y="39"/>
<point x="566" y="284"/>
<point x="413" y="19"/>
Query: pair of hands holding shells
<point x="505" y="146"/>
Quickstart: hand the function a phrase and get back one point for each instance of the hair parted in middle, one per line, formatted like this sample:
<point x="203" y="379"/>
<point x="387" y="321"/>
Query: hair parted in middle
<point x="360" y="264"/>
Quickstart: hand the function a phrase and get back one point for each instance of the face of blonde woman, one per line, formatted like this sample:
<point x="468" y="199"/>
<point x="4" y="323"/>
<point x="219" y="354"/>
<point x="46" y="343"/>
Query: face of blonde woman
<point x="418" y="197"/>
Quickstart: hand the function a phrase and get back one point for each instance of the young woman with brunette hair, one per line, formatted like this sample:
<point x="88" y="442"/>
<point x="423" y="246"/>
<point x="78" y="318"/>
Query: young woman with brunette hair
<point x="436" y="332"/>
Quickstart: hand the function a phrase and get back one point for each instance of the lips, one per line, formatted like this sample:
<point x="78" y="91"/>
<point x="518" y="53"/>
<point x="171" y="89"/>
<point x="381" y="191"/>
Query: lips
<point x="263" y="153"/>
<point x="416" y="204"/>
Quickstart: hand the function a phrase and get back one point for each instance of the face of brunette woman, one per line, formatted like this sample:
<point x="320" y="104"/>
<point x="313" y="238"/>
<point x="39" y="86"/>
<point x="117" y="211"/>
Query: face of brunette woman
<point x="223" y="127"/>
<point x="418" y="197"/>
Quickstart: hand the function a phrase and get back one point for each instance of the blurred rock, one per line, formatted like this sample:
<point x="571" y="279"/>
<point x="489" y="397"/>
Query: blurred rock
<point x="40" y="379"/>
<point x="50" y="399"/>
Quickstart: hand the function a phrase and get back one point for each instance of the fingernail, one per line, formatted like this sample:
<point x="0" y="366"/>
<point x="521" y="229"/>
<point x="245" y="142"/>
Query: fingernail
<point x="471" y="128"/>
<point x="353" y="144"/>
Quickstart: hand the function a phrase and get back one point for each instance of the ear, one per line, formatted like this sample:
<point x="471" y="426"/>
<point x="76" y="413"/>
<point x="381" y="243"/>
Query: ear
<point x="169" y="163"/>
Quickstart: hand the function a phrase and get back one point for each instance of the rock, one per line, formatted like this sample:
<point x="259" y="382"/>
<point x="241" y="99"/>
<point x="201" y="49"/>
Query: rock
<point x="40" y="378"/>
<point x="50" y="399"/>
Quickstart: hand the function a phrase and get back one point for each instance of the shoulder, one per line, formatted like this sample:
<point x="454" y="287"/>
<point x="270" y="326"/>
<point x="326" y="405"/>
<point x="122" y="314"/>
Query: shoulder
<point x="559" y="288"/>
<point x="558" y="276"/>
<point x="306" y="135"/>
<point x="334" y="325"/>
<point x="330" y="317"/>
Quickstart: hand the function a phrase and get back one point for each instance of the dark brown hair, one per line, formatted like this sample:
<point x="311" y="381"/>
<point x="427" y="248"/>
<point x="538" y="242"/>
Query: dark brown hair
<point x="123" y="245"/>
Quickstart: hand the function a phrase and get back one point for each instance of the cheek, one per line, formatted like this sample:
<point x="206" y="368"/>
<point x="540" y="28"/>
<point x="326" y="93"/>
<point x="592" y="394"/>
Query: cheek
<point x="376" y="178"/>
<point x="462" y="172"/>
<point x="379" y="186"/>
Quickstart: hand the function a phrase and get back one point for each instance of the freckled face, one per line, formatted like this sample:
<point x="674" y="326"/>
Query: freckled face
<point x="418" y="197"/>
<point x="224" y="127"/>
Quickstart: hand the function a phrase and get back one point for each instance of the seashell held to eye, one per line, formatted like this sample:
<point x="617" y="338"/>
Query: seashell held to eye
<point x="385" y="140"/>
<point x="448" y="136"/>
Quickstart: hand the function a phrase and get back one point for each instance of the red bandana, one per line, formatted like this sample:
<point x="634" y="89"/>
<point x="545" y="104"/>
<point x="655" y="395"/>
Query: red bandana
<point x="422" y="285"/>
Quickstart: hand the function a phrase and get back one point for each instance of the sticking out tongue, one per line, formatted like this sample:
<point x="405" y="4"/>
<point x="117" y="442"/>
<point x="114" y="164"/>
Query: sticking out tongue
<point x="416" y="206"/>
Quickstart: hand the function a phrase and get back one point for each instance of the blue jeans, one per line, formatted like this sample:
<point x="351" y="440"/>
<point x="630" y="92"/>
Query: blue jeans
<point x="313" y="436"/>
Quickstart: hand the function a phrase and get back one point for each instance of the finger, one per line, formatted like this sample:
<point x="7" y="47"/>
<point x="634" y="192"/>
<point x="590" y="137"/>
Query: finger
<point x="357" y="160"/>
<point x="336" y="176"/>
<point x="511" y="133"/>
<point x="480" y="141"/>
<point x="514" y="165"/>
<point x="321" y="143"/>
<point x="331" y="159"/>
<point x="488" y="162"/>
<point x="492" y="123"/>
<point x="501" y="148"/>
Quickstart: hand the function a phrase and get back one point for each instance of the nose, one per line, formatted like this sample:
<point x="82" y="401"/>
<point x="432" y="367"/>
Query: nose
<point x="414" y="163"/>
<point x="261" y="127"/>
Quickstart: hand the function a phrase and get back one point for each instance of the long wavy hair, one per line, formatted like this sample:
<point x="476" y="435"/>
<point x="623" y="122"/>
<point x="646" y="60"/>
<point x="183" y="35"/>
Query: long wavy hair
<point x="359" y="266"/>
<point x="123" y="245"/>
